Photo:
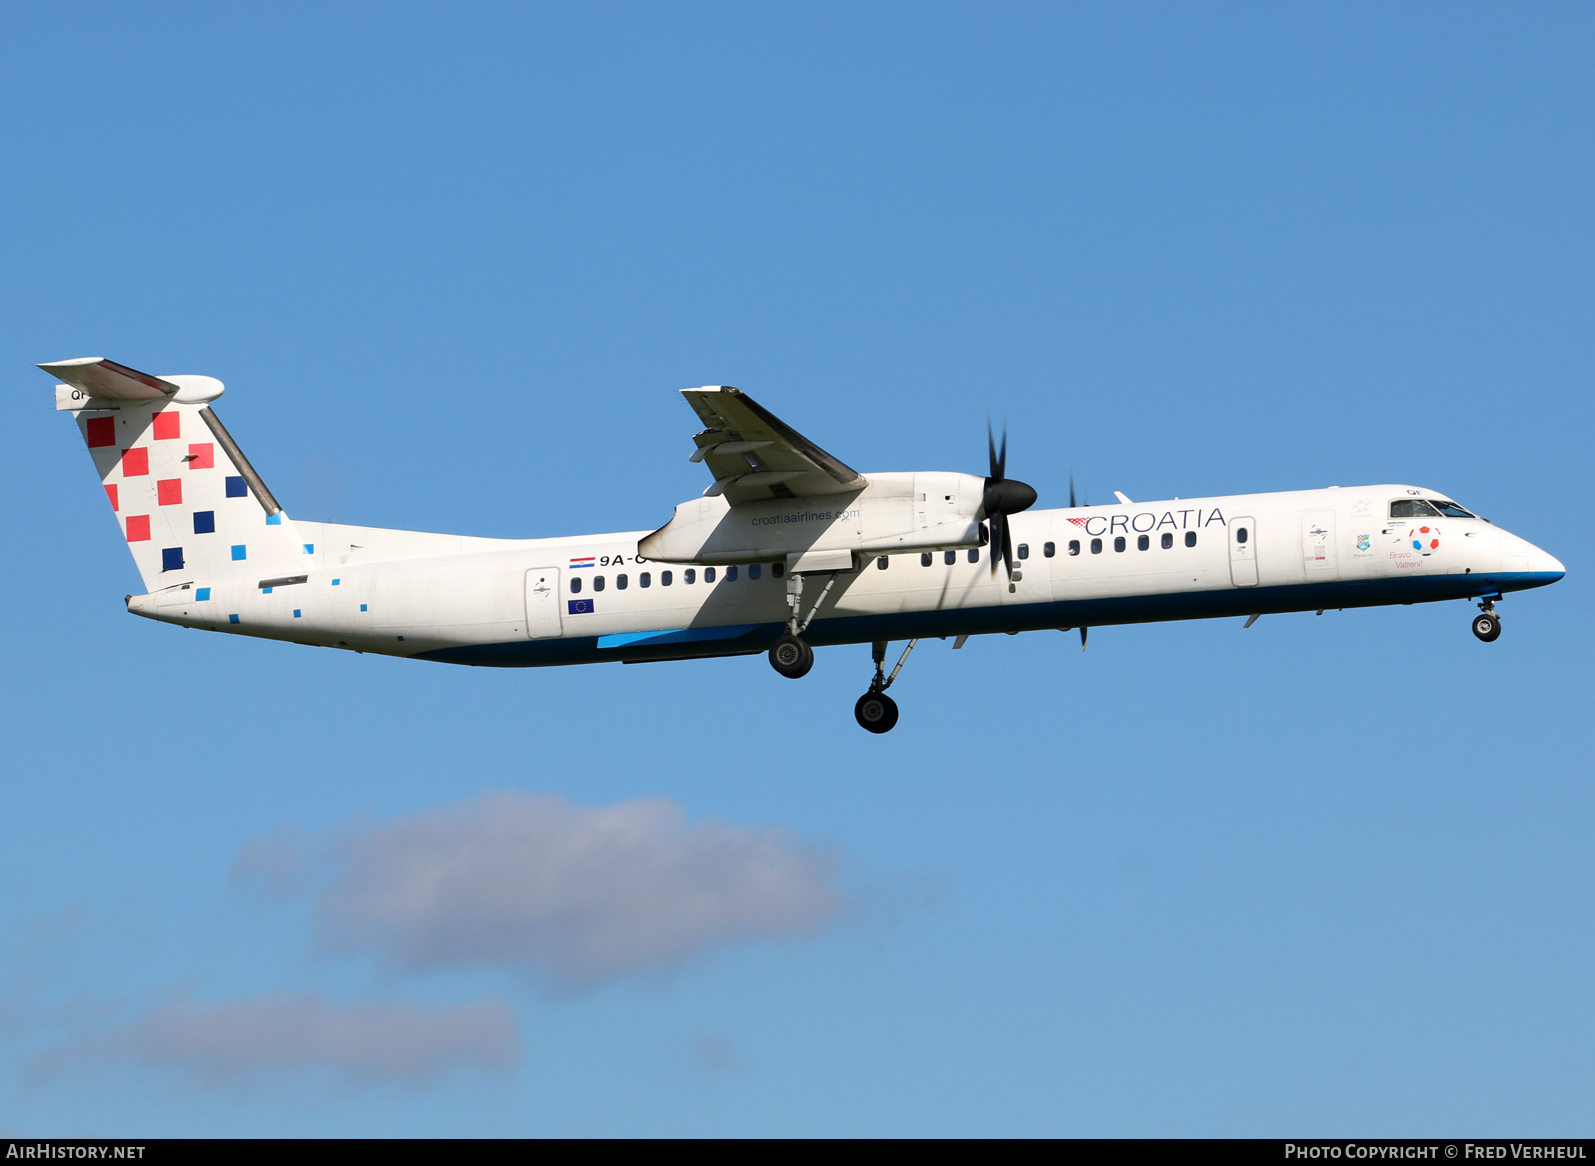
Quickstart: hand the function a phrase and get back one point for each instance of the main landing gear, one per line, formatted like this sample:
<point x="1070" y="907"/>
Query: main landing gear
<point x="790" y="655"/>
<point x="1487" y="625"/>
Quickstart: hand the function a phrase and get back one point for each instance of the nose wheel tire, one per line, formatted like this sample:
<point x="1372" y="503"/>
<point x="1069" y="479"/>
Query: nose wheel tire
<point x="1487" y="627"/>
<point x="791" y="657"/>
<point x="876" y="712"/>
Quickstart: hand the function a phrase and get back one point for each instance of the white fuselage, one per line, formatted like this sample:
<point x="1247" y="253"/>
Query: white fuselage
<point x="591" y="598"/>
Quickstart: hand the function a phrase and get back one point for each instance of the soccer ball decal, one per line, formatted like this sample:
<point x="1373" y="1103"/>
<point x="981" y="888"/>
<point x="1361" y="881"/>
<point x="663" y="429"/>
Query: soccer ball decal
<point x="1425" y="539"/>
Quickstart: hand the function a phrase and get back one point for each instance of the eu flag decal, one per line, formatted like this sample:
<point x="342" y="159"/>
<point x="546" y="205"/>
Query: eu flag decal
<point x="580" y="606"/>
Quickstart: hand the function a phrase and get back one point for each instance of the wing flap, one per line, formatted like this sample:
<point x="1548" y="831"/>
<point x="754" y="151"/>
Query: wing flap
<point x="755" y="456"/>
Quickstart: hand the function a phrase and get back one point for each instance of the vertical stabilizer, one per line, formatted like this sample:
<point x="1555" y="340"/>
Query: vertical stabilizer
<point x="189" y="504"/>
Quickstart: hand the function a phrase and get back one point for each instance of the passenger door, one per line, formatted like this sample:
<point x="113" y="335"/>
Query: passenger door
<point x="1243" y="552"/>
<point x="542" y="603"/>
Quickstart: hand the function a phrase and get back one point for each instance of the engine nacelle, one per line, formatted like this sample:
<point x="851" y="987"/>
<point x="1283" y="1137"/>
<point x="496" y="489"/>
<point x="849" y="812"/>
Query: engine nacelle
<point x="893" y="514"/>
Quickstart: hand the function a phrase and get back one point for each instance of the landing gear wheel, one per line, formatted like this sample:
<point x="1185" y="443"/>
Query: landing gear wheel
<point x="876" y="712"/>
<point x="1486" y="626"/>
<point x="791" y="657"/>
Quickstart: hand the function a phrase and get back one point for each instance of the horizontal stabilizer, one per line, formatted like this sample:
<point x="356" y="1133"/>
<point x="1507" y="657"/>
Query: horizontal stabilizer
<point x="110" y="381"/>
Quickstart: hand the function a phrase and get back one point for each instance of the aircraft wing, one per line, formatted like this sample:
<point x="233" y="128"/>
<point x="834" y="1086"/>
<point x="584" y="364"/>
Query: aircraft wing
<point x="755" y="456"/>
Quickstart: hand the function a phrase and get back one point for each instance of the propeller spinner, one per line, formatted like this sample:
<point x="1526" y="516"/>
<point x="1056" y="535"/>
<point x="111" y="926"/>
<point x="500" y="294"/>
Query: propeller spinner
<point x="1004" y="496"/>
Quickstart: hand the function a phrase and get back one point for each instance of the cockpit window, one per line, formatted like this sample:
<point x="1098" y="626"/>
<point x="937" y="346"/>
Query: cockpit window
<point x="1450" y="509"/>
<point x="1412" y="508"/>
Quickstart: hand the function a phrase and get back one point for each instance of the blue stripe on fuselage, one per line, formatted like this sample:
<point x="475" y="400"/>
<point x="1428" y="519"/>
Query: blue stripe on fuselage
<point x="745" y="639"/>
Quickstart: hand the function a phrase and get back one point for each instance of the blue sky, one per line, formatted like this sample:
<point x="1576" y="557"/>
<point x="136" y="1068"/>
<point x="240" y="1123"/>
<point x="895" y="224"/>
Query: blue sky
<point x="1326" y="875"/>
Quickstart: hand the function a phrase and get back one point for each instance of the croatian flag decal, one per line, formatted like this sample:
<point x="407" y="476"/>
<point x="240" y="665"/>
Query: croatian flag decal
<point x="587" y="562"/>
<point x="580" y="606"/>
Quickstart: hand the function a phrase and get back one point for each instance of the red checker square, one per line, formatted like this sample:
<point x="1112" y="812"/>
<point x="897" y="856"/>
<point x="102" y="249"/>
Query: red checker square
<point x="169" y="492"/>
<point x="202" y="456"/>
<point x="110" y="492"/>
<point x="101" y="431"/>
<point x="138" y="528"/>
<point x="168" y="425"/>
<point x="135" y="462"/>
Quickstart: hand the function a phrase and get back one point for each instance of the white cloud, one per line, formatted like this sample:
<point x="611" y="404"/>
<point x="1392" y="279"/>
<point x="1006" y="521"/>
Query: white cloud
<point x="233" y="1041"/>
<point x="572" y="894"/>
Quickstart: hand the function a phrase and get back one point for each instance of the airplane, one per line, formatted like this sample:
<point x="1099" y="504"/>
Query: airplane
<point x="787" y="549"/>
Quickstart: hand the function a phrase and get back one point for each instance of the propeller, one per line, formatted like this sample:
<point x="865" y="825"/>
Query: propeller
<point x="1004" y="496"/>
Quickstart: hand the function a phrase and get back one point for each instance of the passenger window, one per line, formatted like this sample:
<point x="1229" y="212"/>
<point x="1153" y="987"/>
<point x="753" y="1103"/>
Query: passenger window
<point x="620" y="582"/>
<point x="753" y="570"/>
<point x="645" y="580"/>
<point x="1024" y="550"/>
<point x="689" y="576"/>
<point x="1096" y="546"/>
<point x="777" y="570"/>
<point x="731" y="575"/>
<point x="974" y="554"/>
<point x="1118" y="543"/>
<point x="1168" y="540"/>
<point x="1074" y="546"/>
<point x="1050" y="549"/>
<point x="950" y="557"/>
<point x="665" y="579"/>
<point x="880" y="562"/>
<point x="924" y="559"/>
<point x="708" y="574"/>
<point x="575" y="584"/>
<point x="1240" y="534"/>
<point x="1451" y="509"/>
<point x="598" y="582"/>
<point x="1190" y="538"/>
<point x="1143" y="543"/>
<point x="1412" y="508"/>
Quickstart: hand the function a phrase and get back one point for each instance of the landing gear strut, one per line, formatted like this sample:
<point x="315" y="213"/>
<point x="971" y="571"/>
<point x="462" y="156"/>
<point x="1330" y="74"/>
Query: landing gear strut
<point x="876" y="711"/>
<point x="1487" y="625"/>
<point x="791" y="655"/>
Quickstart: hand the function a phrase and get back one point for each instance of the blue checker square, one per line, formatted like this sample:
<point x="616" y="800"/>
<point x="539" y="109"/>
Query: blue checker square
<point x="362" y="607"/>
<point x="274" y="519"/>
<point x="265" y="590"/>
<point x="335" y="582"/>
<point x="236" y="488"/>
<point x="580" y="606"/>
<point x="204" y="522"/>
<point x="296" y="613"/>
<point x="310" y="548"/>
<point x="202" y="593"/>
<point x="232" y="619"/>
<point x="172" y="559"/>
<point x="239" y="553"/>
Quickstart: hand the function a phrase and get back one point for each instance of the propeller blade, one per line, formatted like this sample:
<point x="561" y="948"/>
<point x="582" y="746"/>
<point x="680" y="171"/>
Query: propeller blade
<point x="1007" y="549"/>
<point x="991" y="452"/>
<point x="1071" y="489"/>
<point x="997" y="523"/>
<point x="1082" y="638"/>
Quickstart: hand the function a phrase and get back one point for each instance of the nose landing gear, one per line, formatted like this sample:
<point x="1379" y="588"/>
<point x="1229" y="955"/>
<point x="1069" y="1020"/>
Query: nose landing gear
<point x="1487" y="625"/>
<point x="876" y="711"/>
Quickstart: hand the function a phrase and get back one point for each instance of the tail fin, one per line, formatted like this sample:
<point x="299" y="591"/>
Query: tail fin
<point x="189" y="503"/>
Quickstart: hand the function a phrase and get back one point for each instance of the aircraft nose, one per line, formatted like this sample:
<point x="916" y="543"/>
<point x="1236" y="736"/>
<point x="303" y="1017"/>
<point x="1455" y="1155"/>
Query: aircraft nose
<point x="1544" y="563"/>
